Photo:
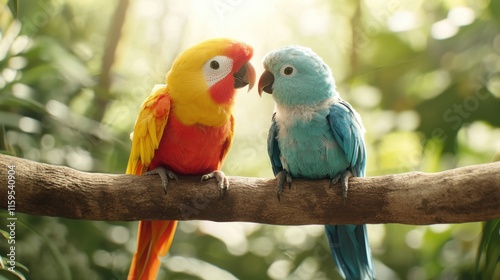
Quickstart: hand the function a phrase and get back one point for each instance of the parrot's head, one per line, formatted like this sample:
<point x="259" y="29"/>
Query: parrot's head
<point x="295" y="75"/>
<point x="207" y="75"/>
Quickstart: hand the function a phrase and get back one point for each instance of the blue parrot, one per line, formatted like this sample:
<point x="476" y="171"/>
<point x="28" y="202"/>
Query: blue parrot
<point x="316" y="135"/>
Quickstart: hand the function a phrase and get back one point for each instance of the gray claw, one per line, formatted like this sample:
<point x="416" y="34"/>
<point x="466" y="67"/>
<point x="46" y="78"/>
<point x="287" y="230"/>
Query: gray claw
<point x="283" y="176"/>
<point x="222" y="181"/>
<point x="164" y="174"/>
<point x="344" y="182"/>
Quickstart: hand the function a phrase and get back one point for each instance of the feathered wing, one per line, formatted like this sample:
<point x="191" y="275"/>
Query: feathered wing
<point x="154" y="237"/>
<point x="351" y="251"/>
<point x="272" y="147"/>
<point x="348" y="131"/>
<point x="148" y="130"/>
<point x="349" y="243"/>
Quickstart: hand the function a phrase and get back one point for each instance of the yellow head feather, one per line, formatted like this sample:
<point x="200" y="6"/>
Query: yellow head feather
<point x="188" y="88"/>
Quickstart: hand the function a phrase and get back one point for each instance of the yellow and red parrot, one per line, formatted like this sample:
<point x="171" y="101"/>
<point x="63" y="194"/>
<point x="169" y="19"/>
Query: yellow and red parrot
<point x="186" y="127"/>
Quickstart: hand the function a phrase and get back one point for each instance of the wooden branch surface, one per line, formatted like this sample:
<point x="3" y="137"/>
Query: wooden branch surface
<point x="466" y="194"/>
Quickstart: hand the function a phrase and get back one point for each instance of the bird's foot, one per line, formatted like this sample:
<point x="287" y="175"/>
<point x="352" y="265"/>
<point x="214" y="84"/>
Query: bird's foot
<point x="343" y="178"/>
<point x="222" y="181"/>
<point x="283" y="176"/>
<point x="164" y="174"/>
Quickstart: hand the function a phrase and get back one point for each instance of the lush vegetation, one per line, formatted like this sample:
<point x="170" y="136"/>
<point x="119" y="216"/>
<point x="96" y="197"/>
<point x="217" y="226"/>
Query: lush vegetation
<point x="424" y="76"/>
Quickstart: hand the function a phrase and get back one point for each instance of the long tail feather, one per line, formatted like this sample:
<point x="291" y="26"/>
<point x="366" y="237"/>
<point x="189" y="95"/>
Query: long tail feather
<point x="351" y="251"/>
<point x="154" y="240"/>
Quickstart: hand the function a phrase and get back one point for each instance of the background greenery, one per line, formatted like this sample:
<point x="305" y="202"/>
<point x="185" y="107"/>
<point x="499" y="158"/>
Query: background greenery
<point x="423" y="74"/>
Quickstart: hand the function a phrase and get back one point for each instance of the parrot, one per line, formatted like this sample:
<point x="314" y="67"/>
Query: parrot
<point x="315" y="134"/>
<point x="186" y="127"/>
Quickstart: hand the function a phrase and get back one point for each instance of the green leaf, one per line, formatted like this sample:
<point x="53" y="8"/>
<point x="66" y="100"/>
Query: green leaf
<point x="14" y="7"/>
<point x="488" y="255"/>
<point x="5" y="234"/>
<point x="10" y="275"/>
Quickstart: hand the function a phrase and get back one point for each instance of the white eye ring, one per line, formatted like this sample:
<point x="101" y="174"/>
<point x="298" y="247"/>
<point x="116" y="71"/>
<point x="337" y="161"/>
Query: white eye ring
<point x="288" y="70"/>
<point x="217" y="68"/>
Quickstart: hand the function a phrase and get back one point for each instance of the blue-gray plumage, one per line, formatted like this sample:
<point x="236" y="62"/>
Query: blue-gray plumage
<point x="316" y="135"/>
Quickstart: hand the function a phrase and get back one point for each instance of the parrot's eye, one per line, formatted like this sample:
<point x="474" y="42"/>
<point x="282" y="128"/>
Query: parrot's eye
<point x="216" y="68"/>
<point x="288" y="70"/>
<point x="214" y="64"/>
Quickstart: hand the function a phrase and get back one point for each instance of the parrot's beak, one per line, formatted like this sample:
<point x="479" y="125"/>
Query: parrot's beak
<point x="245" y="76"/>
<point x="266" y="82"/>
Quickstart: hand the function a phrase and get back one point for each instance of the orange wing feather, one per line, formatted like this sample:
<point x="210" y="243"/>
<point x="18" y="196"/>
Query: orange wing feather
<point x="154" y="237"/>
<point x="148" y="130"/>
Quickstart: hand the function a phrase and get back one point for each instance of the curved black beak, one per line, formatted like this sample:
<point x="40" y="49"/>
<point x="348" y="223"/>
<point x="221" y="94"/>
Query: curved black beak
<point x="266" y="82"/>
<point x="245" y="76"/>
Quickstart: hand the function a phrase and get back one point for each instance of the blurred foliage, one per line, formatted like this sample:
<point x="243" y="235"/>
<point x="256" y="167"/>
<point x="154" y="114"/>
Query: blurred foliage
<point x="424" y="76"/>
<point x="489" y="249"/>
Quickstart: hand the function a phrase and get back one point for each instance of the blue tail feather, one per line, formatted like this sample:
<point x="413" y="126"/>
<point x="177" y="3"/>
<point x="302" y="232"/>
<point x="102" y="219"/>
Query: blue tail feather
<point x="351" y="251"/>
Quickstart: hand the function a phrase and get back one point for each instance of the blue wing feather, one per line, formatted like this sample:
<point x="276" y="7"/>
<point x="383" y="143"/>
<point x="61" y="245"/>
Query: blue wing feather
<point x="348" y="132"/>
<point x="272" y="147"/>
<point x="351" y="251"/>
<point x="349" y="243"/>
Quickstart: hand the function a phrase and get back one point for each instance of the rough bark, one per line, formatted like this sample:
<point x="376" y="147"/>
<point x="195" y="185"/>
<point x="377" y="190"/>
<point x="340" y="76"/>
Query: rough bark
<point x="466" y="194"/>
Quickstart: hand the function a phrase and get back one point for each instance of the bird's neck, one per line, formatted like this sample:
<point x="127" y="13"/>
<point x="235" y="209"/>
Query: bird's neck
<point x="207" y="114"/>
<point x="288" y="115"/>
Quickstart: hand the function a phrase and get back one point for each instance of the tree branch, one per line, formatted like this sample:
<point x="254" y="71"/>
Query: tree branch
<point x="459" y="195"/>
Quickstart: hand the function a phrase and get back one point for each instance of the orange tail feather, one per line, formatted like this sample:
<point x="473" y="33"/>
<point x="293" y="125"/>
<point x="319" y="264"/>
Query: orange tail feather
<point x="154" y="240"/>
